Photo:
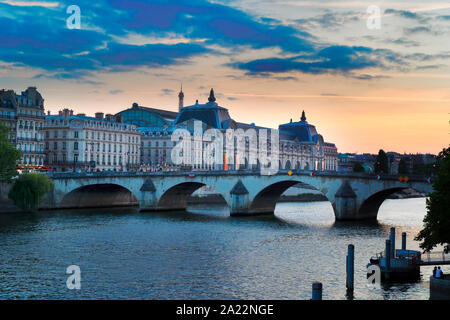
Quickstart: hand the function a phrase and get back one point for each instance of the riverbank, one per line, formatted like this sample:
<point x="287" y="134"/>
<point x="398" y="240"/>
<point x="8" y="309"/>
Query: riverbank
<point x="440" y="288"/>
<point x="407" y="194"/>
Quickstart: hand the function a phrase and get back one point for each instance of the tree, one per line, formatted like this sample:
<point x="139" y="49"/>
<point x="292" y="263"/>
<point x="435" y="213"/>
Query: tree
<point x="436" y="229"/>
<point x="357" y="167"/>
<point x="402" y="167"/>
<point x="9" y="155"/>
<point x="28" y="189"/>
<point x="381" y="164"/>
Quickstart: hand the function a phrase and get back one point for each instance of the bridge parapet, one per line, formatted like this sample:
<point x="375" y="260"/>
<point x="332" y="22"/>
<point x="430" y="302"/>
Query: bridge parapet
<point x="353" y="196"/>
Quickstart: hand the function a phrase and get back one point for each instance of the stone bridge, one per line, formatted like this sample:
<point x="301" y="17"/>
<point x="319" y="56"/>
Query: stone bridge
<point x="353" y="196"/>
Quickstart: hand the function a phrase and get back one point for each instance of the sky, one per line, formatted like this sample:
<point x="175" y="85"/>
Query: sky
<point x="369" y="74"/>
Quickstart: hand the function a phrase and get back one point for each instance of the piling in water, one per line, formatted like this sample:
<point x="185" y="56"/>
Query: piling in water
<point x="404" y="241"/>
<point x="350" y="267"/>
<point x="317" y="291"/>
<point x="392" y="239"/>
<point x="388" y="255"/>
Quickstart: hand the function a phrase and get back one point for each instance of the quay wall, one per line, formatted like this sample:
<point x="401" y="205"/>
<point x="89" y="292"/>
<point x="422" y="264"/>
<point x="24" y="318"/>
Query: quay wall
<point x="440" y="288"/>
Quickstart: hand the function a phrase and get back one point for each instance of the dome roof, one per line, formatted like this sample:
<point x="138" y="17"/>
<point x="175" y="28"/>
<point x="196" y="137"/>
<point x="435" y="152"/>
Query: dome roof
<point x="301" y="130"/>
<point x="209" y="113"/>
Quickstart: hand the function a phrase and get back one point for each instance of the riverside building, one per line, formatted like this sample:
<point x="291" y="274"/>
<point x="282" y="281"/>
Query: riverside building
<point x="24" y="116"/>
<point x="301" y="147"/>
<point x="82" y="143"/>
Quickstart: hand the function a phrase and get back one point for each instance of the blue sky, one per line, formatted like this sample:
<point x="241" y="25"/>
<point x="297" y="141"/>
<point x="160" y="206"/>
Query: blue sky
<point x="267" y="60"/>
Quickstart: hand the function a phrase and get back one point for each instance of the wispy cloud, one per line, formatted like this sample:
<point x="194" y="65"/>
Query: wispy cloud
<point x="48" y="4"/>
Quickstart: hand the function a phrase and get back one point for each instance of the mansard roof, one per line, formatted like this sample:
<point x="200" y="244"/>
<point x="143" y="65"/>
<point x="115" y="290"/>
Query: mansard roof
<point x="209" y="113"/>
<point x="301" y="130"/>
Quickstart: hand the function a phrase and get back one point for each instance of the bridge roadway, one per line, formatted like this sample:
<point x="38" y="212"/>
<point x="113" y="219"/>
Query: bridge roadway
<point x="353" y="196"/>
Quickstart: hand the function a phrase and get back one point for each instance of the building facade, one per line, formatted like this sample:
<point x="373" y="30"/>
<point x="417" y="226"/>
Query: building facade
<point x="300" y="146"/>
<point x="82" y="143"/>
<point x="24" y="115"/>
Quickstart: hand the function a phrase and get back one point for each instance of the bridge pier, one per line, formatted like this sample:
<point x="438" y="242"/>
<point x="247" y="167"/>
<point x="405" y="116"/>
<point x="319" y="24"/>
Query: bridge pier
<point x="147" y="196"/>
<point x="239" y="200"/>
<point x="345" y="206"/>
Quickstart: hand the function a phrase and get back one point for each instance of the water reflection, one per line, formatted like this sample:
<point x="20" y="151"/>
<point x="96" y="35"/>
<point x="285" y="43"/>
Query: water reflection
<point x="200" y="254"/>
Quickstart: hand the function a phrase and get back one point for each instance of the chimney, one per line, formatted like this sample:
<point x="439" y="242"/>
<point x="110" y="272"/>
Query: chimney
<point x="109" y="117"/>
<point x="99" y="115"/>
<point x="66" y="112"/>
<point x="48" y="112"/>
<point x="81" y="114"/>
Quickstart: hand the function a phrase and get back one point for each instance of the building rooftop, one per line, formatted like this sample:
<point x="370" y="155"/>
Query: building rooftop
<point x="209" y="113"/>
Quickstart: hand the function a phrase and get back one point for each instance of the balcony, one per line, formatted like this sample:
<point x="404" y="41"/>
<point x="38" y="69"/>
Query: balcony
<point x="22" y="115"/>
<point x="29" y="139"/>
<point x="5" y="117"/>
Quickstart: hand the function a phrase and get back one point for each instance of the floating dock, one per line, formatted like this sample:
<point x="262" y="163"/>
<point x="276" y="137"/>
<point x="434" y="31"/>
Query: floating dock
<point x="402" y="264"/>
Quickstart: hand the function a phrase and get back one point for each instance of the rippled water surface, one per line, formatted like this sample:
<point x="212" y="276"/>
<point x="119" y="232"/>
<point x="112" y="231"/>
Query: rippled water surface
<point x="203" y="254"/>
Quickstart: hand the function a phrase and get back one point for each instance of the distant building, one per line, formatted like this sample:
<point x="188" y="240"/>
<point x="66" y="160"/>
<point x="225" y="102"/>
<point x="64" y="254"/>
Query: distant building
<point x="156" y="147"/>
<point x="78" y="142"/>
<point x="347" y="161"/>
<point x="24" y="115"/>
<point x="301" y="147"/>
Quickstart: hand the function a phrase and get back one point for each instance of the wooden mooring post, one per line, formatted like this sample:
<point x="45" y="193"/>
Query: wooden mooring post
<point x="350" y="267"/>
<point x="317" y="291"/>
<point x="392" y="239"/>
<point x="403" y="240"/>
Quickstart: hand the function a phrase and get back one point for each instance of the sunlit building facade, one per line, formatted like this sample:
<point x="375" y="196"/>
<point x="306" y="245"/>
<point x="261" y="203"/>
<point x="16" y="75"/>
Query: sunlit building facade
<point x="24" y="116"/>
<point x="301" y="147"/>
<point x="83" y="143"/>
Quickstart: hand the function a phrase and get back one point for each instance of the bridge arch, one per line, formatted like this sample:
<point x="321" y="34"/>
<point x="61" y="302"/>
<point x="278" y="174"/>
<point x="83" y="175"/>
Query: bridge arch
<point x="287" y="166"/>
<point x="265" y="200"/>
<point x="176" y="197"/>
<point x="370" y="206"/>
<point x="99" y="195"/>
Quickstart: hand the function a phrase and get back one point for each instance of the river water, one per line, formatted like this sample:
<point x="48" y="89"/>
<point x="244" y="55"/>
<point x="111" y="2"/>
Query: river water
<point x="203" y="254"/>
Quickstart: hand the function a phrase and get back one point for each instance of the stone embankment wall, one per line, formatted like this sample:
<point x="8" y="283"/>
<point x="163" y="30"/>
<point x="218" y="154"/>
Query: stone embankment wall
<point x="440" y="288"/>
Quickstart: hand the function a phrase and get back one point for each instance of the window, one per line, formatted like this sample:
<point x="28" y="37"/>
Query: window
<point x="75" y="145"/>
<point x="75" y="135"/>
